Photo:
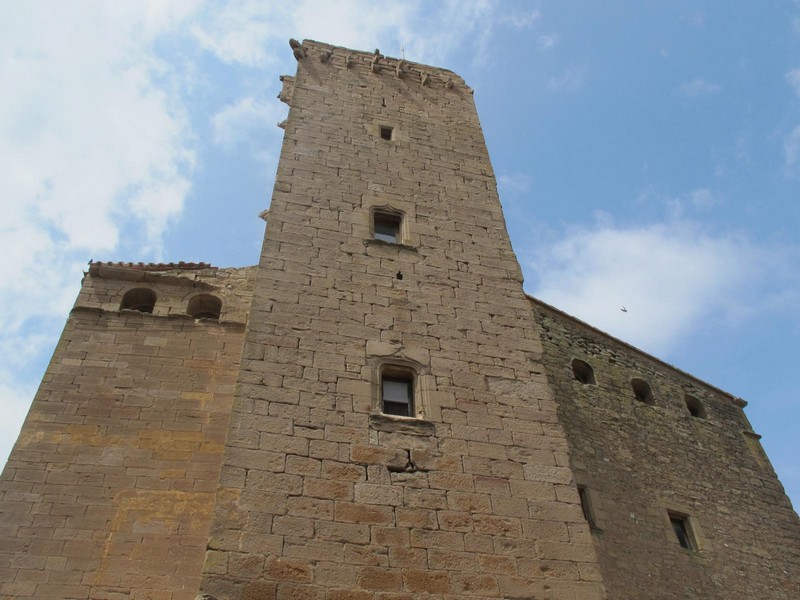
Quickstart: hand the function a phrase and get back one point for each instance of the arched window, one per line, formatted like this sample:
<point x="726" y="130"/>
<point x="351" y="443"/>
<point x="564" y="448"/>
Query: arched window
<point x="204" y="306"/>
<point x="141" y="299"/>
<point x="583" y="371"/>
<point x="695" y="407"/>
<point x="642" y="391"/>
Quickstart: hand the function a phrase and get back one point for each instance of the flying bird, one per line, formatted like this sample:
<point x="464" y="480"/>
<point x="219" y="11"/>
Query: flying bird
<point x="623" y="309"/>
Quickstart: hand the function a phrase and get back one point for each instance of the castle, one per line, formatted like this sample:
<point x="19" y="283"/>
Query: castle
<point x="377" y="411"/>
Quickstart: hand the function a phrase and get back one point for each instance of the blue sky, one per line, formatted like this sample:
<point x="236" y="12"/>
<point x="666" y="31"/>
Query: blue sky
<point x="647" y="153"/>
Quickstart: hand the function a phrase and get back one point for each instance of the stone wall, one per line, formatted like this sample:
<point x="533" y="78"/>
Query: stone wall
<point x="109" y="490"/>
<point x="640" y="460"/>
<point x="324" y="497"/>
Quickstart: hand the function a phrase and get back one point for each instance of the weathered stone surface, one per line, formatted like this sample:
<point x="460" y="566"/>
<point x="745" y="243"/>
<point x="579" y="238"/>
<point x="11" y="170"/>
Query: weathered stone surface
<point x="135" y="436"/>
<point x="638" y="460"/>
<point x="112" y="480"/>
<point x="446" y="302"/>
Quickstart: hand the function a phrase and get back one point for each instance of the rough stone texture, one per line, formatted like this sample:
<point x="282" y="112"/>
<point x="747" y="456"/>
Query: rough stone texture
<point x="141" y="474"/>
<point x="312" y="502"/>
<point x="638" y="461"/>
<point x="109" y="491"/>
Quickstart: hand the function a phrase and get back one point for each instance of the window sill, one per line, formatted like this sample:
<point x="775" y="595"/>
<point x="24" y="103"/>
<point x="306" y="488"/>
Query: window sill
<point x="374" y="242"/>
<point x="398" y="424"/>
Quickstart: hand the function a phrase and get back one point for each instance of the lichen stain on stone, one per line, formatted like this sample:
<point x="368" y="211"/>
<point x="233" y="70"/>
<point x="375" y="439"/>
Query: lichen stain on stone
<point x="145" y="521"/>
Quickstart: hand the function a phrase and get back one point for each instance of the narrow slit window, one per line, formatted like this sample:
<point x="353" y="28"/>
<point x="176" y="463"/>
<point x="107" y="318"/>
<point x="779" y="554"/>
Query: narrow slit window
<point x="387" y="133"/>
<point x="586" y="506"/>
<point x="387" y="227"/>
<point x="683" y="531"/>
<point x="397" y="395"/>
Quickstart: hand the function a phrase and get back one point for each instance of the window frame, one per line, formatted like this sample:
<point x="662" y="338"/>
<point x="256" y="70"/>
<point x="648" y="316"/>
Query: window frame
<point x="395" y="404"/>
<point x="587" y="507"/>
<point x="401" y="371"/>
<point x="683" y="530"/>
<point x="383" y="130"/>
<point x="383" y="218"/>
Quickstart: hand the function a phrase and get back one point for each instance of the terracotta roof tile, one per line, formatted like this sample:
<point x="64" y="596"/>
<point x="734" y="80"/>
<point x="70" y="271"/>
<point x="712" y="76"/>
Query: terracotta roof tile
<point x="140" y="266"/>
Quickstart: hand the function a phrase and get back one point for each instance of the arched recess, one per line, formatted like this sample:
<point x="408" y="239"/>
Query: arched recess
<point x="141" y="299"/>
<point x="642" y="391"/>
<point x="204" y="306"/>
<point x="695" y="407"/>
<point x="583" y="371"/>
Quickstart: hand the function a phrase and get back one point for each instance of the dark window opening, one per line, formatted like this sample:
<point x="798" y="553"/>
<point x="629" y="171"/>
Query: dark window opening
<point x="386" y="133"/>
<point x="583" y="372"/>
<point x="387" y="227"/>
<point x="586" y="506"/>
<point x="695" y="407"/>
<point x="642" y="391"/>
<point x="397" y="394"/>
<point x="680" y="525"/>
<point x="204" y="306"/>
<point x="141" y="299"/>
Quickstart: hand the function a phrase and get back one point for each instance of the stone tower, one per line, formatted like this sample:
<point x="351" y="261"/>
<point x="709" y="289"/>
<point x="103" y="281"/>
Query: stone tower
<point x="377" y="411"/>
<point x="393" y="433"/>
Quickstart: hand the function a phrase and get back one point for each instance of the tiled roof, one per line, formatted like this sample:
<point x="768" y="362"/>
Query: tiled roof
<point x="172" y="266"/>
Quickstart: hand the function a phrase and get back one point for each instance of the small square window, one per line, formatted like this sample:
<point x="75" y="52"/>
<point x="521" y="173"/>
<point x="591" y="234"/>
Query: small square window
<point x="387" y="133"/>
<point x="387" y="227"/>
<point x="397" y="395"/>
<point x="683" y="531"/>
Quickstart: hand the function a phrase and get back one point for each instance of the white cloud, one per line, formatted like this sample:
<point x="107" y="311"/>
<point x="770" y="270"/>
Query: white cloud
<point x="513" y="183"/>
<point x="15" y="401"/>
<point x="703" y="199"/>
<point x="91" y="143"/>
<point x="791" y="150"/>
<point x="240" y="31"/>
<point x="668" y="276"/>
<point x="569" y="81"/>
<point x="698" y="88"/>
<point x="793" y="79"/>
<point x="244" y="122"/>
<point x="522" y="20"/>
<point x="545" y="42"/>
<point x="256" y="33"/>
<point x="700" y="200"/>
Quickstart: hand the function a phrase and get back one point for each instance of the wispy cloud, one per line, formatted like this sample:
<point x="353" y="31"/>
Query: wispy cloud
<point x="669" y="276"/>
<point x="522" y="20"/>
<point x="791" y="150"/>
<point x="545" y="42"/>
<point x="92" y="143"/>
<point x="698" y="201"/>
<point x="697" y="88"/>
<point x="245" y="122"/>
<point x="569" y="81"/>
<point x="793" y="79"/>
<point x="254" y="33"/>
<point x="513" y="182"/>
